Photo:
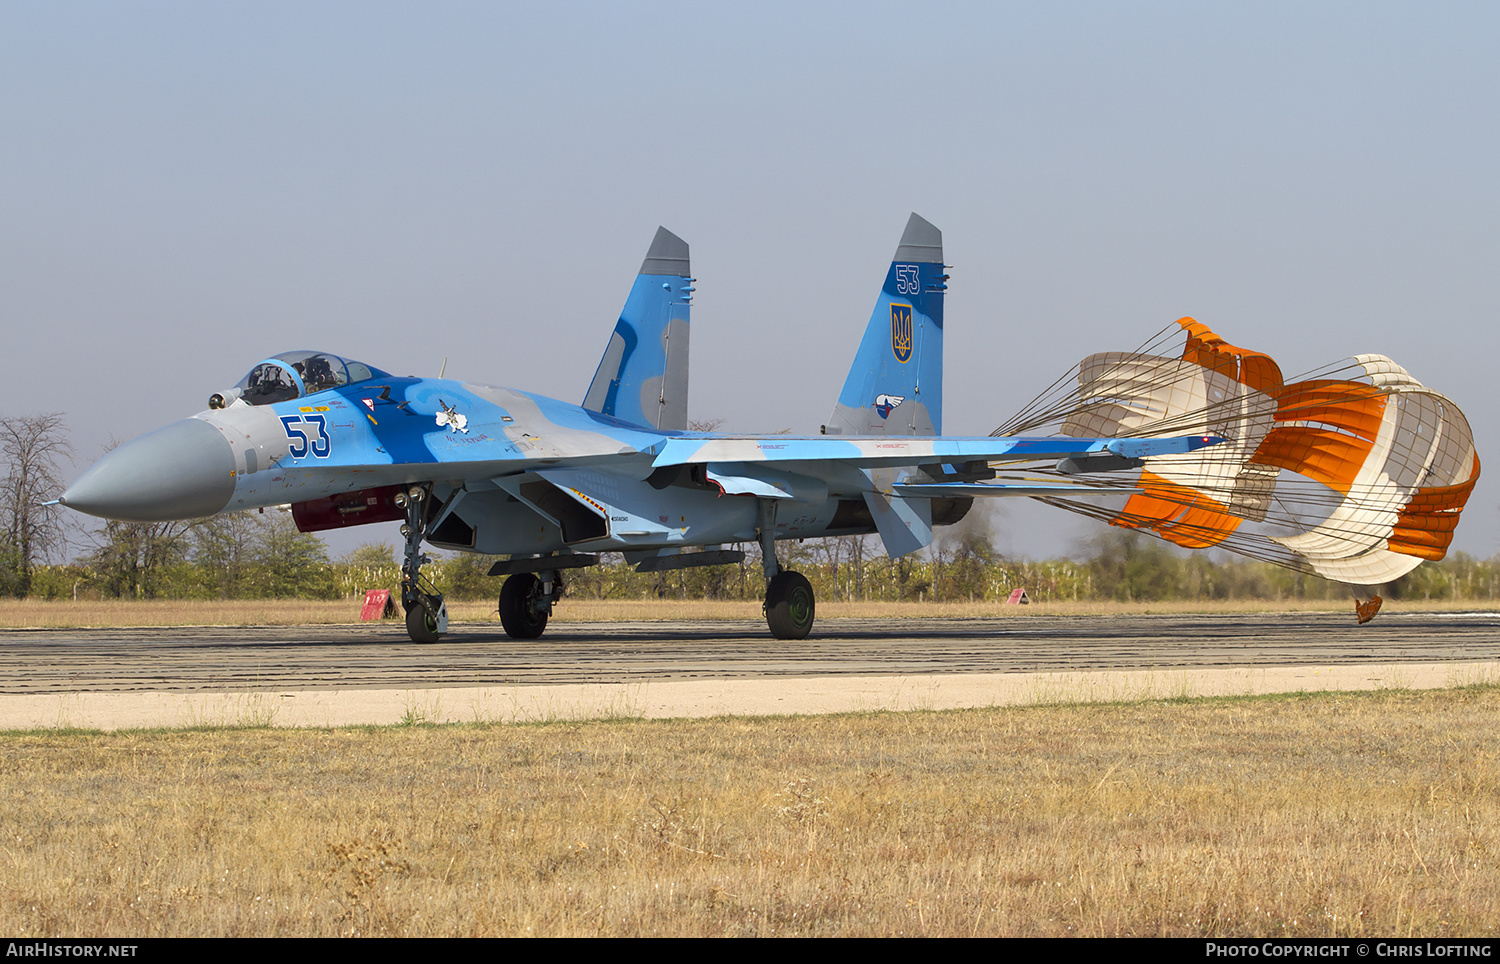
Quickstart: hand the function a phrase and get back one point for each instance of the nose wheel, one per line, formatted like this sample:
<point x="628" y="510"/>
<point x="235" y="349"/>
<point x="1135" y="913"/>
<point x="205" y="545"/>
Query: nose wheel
<point x="422" y="625"/>
<point x="426" y="613"/>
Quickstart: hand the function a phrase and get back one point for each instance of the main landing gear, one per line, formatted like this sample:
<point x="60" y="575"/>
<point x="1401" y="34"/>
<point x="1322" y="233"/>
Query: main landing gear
<point x="426" y="615"/>
<point x="526" y="601"/>
<point x="789" y="605"/>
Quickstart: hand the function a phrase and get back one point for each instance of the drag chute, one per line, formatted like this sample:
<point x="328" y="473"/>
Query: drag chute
<point x="1356" y="473"/>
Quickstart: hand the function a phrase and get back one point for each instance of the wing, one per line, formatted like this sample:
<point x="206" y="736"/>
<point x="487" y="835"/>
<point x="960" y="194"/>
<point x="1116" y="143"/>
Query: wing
<point x="899" y="479"/>
<point x="891" y="452"/>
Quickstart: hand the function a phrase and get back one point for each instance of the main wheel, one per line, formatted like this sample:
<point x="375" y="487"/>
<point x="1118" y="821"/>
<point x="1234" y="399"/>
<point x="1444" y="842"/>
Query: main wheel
<point x="789" y="605"/>
<point x="421" y="625"/>
<point x="518" y="617"/>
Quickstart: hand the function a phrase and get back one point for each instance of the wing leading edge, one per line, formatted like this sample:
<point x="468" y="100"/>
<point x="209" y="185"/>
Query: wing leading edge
<point x="891" y="452"/>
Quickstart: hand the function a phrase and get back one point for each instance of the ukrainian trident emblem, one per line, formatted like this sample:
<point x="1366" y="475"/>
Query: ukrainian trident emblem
<point x="901" y="331"/>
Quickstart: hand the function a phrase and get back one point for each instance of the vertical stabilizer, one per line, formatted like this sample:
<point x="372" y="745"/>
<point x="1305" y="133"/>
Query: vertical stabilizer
<point x="896" y="384"/>
<point x="643" y="376"/>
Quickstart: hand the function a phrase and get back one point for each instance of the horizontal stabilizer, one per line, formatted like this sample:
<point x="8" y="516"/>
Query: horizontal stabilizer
<point x="905" y="524"/>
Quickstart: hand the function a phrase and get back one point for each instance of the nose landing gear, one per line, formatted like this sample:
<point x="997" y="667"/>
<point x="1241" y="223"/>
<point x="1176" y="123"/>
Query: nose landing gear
<point x="426" y="614"/>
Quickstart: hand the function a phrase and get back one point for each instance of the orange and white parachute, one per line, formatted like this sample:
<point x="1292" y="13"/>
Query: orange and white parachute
<point x="1357" y="473"/>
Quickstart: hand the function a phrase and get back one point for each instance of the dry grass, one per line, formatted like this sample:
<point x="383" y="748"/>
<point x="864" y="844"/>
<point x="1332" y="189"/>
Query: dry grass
<point x="114" y="613"/>
<point x="1332" y="815"/>
<point x="36" y="614"/>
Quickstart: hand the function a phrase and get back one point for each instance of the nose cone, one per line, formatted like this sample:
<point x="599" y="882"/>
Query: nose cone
<point x="184" y="471"/>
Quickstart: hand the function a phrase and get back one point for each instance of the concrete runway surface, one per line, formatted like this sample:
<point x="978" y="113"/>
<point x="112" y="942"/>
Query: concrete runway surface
<point x="371" y="673"/>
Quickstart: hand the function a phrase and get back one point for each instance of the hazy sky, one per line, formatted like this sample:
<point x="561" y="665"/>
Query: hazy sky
<point x="187" y="188"/>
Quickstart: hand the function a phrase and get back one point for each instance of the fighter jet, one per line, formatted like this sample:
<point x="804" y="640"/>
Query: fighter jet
<point x="551" y="485"/>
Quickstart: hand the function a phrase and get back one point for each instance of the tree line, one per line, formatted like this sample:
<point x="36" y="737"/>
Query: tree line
<point x="261" y="554"/>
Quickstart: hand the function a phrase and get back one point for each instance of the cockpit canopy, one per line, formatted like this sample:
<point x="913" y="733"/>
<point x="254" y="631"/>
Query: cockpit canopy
<point x="294" y="374"/>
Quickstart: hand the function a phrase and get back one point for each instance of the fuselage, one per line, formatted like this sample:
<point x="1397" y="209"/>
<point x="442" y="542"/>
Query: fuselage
<point x="511" y="472"/>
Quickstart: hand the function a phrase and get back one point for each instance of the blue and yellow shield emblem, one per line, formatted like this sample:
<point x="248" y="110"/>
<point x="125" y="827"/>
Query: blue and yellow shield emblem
<point x="901" y="331"/>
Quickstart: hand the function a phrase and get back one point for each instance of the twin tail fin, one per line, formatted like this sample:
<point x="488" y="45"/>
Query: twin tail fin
<point x="643" y="376"/>
<point x="895" y="386"/>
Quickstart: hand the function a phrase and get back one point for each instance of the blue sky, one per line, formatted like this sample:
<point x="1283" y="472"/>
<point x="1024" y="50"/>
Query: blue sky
<point x="190" y="187"/>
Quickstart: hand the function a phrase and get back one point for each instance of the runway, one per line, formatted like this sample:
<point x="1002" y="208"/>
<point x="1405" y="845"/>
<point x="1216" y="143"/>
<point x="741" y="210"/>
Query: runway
<point x="379" y="656"/>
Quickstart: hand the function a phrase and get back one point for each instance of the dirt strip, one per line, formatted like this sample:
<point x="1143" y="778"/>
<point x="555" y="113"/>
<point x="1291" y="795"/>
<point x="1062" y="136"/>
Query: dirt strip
<point x="659" y="699"/>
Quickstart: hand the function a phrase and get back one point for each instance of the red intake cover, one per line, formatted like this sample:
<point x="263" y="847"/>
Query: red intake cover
<point x="350" y="509"/>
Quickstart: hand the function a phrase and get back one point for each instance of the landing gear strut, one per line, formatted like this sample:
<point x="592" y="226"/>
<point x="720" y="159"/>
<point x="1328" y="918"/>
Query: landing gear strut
<point x="789" y="605"/>
<point x="426" y="615"/>
<point x="526" y="601"/>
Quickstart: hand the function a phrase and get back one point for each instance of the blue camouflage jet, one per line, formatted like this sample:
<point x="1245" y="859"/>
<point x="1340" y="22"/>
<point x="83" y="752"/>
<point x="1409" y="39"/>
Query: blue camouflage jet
<point x="551" y="485"/>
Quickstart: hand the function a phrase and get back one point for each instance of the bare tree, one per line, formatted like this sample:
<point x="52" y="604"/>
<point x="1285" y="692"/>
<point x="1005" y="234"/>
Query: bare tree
<point x="224" y="549"/>
<point x="34" y="448"/>
<point x="132" y="560"/>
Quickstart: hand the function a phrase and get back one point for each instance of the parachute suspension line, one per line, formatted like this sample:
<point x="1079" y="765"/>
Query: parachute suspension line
<point x="1250" y="546"/>
<point x="1032" y="413"/>
<point x="1053" y="404"/>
